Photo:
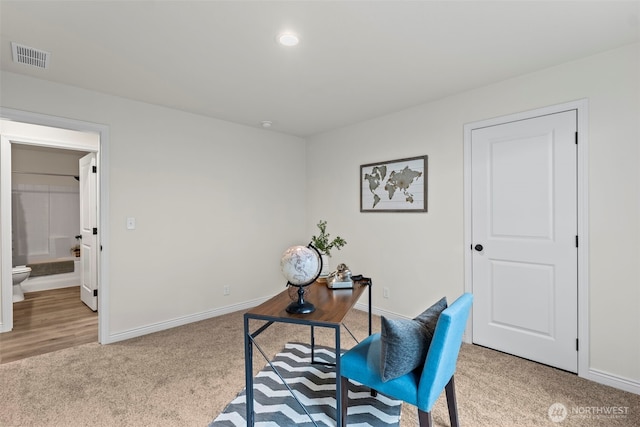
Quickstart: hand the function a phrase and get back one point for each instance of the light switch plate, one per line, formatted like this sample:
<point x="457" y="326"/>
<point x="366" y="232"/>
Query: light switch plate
<point x="131" y="223"/>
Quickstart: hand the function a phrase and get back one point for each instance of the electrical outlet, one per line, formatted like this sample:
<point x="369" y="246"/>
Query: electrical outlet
<point x="385" y="292"/>
<point x="131" y="223"/>
<point x="227" y="290"/>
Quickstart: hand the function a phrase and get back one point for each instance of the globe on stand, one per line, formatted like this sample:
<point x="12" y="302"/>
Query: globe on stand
<point x="301" y="266"/>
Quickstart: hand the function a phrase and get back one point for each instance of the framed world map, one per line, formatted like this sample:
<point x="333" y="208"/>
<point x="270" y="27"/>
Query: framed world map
<point x="394" y="186"/>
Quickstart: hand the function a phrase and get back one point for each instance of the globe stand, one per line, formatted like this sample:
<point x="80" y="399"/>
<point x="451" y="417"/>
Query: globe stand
<point x="300" y="306"/>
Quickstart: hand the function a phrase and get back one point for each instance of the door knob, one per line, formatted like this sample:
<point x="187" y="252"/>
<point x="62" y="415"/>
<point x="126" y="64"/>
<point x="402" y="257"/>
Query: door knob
<point x="478" y="248"/>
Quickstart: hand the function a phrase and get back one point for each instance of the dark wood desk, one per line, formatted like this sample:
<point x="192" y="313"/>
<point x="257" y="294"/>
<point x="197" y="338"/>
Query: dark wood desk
<point x="331" y="308"/>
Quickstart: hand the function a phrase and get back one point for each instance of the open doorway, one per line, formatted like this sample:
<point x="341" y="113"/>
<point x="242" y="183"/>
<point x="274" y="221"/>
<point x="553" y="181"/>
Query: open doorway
<point x="55" y="140"/>
<point x="45" y="217"/>
<point x="48" y="314"/>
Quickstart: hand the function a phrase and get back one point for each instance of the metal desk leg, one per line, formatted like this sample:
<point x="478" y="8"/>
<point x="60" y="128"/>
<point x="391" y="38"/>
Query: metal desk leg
<point x="338" y="382"/>
<point x="313" y="345"/>
<point x="370" y="286"/>
<point x="248" y="373"/>
<point x="374" y="392"/>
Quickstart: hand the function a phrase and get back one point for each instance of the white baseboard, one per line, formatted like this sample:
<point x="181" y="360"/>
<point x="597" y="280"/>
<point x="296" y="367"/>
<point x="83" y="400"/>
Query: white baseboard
<point x="35" y="286"/>
<point x="614" y="381"/>
<point x="378" y="311"/>
<point x="181" y="321"/>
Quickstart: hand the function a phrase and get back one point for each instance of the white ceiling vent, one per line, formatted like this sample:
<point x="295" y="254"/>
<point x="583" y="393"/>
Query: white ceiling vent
<point x="30" y="56"/>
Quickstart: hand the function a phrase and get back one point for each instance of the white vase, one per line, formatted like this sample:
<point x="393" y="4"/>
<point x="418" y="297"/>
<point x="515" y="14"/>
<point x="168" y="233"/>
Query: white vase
<point x="325" y="266"/>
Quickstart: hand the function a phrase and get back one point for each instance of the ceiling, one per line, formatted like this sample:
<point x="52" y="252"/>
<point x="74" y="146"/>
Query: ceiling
<point x="356" y="59"/>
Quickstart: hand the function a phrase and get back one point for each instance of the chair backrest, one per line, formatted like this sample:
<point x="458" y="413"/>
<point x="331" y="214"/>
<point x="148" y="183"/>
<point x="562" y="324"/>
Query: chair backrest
<point x="442" y="357"/>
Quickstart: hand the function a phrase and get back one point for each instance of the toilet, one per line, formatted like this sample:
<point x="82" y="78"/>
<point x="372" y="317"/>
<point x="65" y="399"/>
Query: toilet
<point x="19" y="275"/>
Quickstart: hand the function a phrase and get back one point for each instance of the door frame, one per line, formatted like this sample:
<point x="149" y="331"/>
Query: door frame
<point x="582" y="193"/>
<point x="102" y="199"/>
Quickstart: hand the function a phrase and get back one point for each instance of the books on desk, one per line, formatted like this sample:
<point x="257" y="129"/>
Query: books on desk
<point x="340" y="285"/>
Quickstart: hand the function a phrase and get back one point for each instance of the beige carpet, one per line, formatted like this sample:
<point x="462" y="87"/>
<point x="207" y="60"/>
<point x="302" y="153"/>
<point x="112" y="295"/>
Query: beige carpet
<point x="186" y="376"/>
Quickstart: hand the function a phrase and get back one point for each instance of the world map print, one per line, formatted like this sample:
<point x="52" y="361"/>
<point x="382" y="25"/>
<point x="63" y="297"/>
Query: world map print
<point x="397" y="185"/>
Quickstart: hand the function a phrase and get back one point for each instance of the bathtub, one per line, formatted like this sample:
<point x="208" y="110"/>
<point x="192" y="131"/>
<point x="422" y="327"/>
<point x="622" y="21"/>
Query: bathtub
<point x="54" y="281"/>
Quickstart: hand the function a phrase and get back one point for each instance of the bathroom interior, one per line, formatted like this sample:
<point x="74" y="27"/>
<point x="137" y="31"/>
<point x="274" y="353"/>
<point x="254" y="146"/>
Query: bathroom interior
<point x="45" y="222"/>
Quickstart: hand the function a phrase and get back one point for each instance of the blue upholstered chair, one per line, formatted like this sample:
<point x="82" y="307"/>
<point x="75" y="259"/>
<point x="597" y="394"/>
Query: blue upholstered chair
<point x="421" y="387"/>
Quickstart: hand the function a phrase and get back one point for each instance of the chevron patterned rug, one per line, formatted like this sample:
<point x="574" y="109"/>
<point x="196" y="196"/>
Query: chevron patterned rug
<point x="315" y="387"/>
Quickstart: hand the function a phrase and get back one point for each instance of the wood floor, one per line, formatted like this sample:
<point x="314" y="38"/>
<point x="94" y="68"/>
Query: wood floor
<point x="48" y="321"/>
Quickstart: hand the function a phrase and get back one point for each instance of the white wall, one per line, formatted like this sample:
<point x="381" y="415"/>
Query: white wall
<point x="215" y="204"/>
<point x="204" y="195"/>
<point x="419" y="257"/>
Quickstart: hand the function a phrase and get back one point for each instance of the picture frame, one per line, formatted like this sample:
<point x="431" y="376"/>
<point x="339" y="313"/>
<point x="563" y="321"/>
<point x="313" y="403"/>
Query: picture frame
<point x="394" y="185"/>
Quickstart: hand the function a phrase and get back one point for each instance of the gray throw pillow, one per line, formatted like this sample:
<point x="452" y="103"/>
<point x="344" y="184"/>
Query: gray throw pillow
<point x="405" y="343"/>
<point x="429" y="318"/>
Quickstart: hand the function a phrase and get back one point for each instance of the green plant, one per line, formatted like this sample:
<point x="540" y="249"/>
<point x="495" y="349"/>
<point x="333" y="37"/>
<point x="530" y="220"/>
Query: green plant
<point x="322" y="242"/>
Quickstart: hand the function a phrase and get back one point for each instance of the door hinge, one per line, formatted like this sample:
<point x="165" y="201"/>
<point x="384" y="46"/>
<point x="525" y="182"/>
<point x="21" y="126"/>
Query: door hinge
<point x="576" y="241"/>
<point x="94" y="169"/>
<point x="95" y="292"/>
<point x="576" y="137"/>
<point x="95" y="231"/>
<point x="577" y="346"/>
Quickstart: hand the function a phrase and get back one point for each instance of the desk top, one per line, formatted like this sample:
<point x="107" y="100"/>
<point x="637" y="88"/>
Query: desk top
<point x="332" y="305"/>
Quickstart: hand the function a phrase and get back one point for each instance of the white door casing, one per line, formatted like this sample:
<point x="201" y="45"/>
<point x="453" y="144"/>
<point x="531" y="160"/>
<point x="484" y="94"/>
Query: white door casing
<point x="89" y="137"/>
<point x="49" y="132"/>
<point x="88" y="231"/>
<point x="524" y="217"/>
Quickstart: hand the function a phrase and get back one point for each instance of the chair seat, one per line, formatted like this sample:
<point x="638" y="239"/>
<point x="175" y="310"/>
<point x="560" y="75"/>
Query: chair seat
<point x="362" y="364"/>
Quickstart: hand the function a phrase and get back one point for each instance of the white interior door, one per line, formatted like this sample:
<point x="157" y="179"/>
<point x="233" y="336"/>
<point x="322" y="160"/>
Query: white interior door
<point x="524" y="234"/>
<point x="89" y="231"/>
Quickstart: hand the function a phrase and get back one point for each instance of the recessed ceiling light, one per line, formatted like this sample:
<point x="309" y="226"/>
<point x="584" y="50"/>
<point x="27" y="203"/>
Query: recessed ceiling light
<point x="288" y="39"/>
<point x="266" y="124"/>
